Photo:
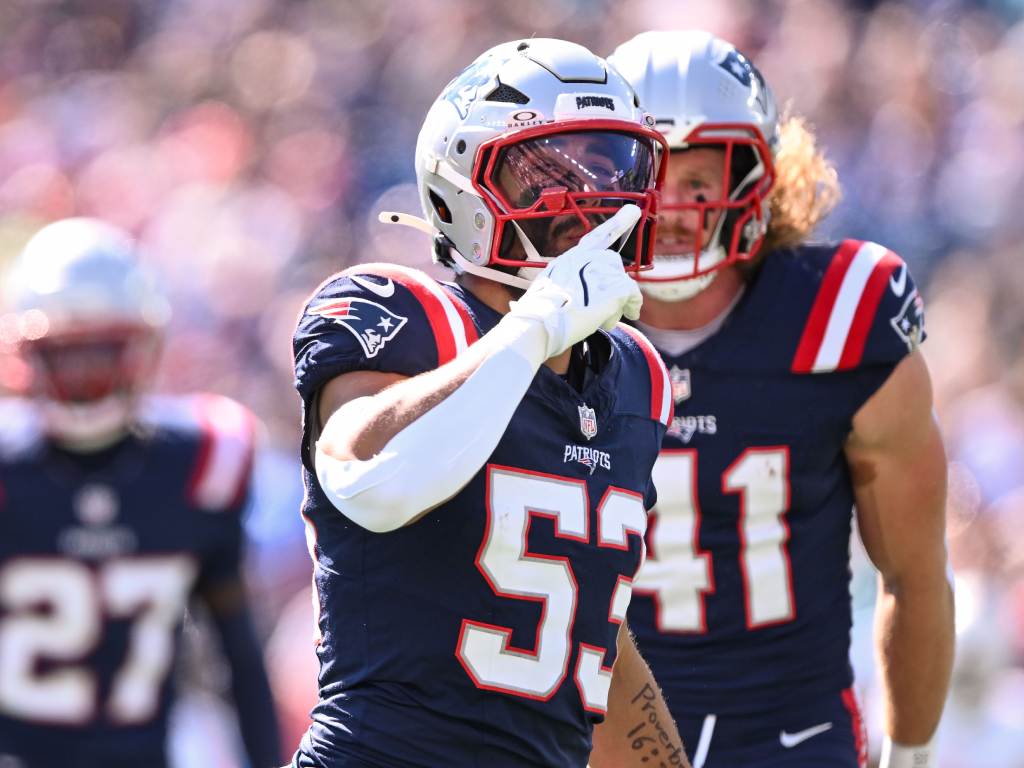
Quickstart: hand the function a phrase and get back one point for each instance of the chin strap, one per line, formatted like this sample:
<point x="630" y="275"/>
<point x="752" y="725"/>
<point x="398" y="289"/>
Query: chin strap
<point x="489" y="273"/>
<point x="406" y="220"/>
<point x="465" y="265"/>
<point x="528" y="246"/>
<point x="462" y="263"/>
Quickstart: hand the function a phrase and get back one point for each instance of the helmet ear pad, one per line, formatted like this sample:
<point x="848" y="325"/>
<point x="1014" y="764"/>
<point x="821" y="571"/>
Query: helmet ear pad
<point x="744" y="162"/>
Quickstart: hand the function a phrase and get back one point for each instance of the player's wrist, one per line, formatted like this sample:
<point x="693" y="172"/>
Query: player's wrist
<point x="526" y="335"/>
<point x="544" y="306"/>
<point x="896" y="755"/>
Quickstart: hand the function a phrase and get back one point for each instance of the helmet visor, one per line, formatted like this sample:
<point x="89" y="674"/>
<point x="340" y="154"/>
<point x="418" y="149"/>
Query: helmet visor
<point x="586" y="162"/>
<point x="550" y="188"/>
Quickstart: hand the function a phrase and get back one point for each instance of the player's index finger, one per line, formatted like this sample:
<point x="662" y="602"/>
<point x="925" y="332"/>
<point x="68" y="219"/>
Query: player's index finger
<point x="603" y="235"/>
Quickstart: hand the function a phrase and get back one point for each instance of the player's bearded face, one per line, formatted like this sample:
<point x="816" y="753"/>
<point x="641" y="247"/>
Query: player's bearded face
<point x="696" y="180"/>
<point x="535" y="175"/>
<point x="555" y="236"/>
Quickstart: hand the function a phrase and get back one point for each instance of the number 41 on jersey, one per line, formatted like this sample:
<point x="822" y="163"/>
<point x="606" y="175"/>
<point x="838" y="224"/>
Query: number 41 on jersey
<point x="679" y="574"/>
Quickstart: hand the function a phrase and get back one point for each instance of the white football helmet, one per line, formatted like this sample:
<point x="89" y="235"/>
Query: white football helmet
<point x="535" y="143"/>
<point x="90" y="322"/>
<point x="703" y="92"/>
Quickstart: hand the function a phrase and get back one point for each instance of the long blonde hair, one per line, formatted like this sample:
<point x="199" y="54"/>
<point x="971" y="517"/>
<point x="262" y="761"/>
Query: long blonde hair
<point x="806" y="186"/>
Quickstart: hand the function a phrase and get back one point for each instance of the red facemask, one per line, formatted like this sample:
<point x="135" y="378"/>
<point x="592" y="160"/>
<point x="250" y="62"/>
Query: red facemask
<point x="723" y="221"/>
<point x="556" y="182"/>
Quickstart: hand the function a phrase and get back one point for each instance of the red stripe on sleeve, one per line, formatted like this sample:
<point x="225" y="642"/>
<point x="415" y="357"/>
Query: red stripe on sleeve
<point x="864" y="316"/>
<point x="467" y="322"/>
<point x="444" y="337"/>
<point x="202" y="460"/>
<point x="220" y="477"/>
<point x="245" y="477"/>
<point x="817" y="321"/>
<point x="657" y="371"/>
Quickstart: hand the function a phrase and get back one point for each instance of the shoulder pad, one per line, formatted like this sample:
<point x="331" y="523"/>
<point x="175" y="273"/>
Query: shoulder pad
<point x="641" y="353"/>
<point x="221" y="475"/>
<point x="382" y="317"/>
<point x="224" y="431"/>
<point x="21" y="428"/>
<point x="866" y="311"/>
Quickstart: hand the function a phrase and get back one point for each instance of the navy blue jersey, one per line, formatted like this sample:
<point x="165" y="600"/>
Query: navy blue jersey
<point x="98" y="556"/>
<point x="484" y="633"/>
<point x="743" y="604"/>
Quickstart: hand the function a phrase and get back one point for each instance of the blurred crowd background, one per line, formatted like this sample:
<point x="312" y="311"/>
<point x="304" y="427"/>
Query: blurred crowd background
<point x="249" y="144"/>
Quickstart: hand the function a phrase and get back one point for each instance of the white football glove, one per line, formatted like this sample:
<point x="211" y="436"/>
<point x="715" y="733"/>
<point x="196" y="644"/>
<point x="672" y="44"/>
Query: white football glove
<point x="585" y="288"/>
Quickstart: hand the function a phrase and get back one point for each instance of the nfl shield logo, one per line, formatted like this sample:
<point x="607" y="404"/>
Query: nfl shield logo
<point x="96" y="505"/>
<point x="680" y="380"/>
<point x="588" y="421"/>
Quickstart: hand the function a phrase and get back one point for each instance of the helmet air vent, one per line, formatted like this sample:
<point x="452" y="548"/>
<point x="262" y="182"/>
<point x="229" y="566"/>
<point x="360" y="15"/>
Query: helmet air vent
<point x="507" y="93"/>
<point x="443" y="211"/>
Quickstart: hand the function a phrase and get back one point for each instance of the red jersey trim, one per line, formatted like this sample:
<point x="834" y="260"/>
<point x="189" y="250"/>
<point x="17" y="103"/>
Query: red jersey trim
<point x="449" y="320"/>
<point x="817" y="321"/>
<point x="844" y="310"/>
<point x="221" y="474"/>
<point x="661" y="389"/>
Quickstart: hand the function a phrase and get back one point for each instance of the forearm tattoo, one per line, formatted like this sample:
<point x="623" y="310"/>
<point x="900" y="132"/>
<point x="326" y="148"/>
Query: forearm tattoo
<point x="649" y="735"/>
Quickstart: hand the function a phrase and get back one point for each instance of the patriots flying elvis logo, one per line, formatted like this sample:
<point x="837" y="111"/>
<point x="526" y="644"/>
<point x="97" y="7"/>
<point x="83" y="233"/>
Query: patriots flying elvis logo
<point x="909" y="322"/>
<point x="465" y="88"/>
<point x="740" y="67"/>
<point x="371" y="323"/>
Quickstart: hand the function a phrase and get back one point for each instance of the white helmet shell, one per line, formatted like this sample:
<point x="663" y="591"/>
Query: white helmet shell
<point x="686" y="78"/>
<point x="539" y="84"/>
<point x="82" y="273"/>
<point x="702" y="91"/>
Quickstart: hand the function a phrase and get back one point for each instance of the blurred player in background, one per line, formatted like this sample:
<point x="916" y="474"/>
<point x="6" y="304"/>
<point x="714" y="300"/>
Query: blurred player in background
<point x="799" y="392"/>
<point x="478" y="458"/>
<point x="115" y="511"/>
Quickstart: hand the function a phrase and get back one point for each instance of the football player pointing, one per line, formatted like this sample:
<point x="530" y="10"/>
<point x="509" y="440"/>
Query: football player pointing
<point x="800" y="392"/>
<point x="115" y="510"/>
<point x="478" y="454"/>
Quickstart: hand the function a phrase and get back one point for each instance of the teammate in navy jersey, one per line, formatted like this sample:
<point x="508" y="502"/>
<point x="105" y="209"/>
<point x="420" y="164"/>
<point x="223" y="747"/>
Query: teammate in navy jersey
<point x="799" y="392"/>
<point x="478" y="454"/>
<point x="114" y="512"/>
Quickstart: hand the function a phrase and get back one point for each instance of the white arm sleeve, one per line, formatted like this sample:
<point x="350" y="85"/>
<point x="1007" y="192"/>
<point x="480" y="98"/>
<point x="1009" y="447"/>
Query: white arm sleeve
<point x="436" y="455"/>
